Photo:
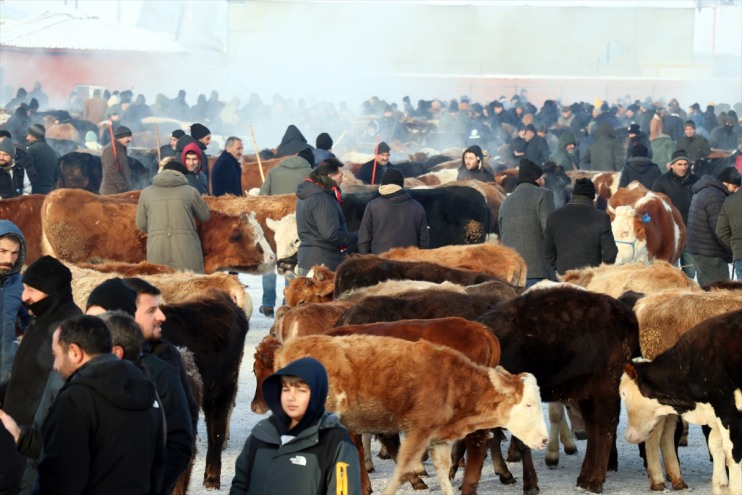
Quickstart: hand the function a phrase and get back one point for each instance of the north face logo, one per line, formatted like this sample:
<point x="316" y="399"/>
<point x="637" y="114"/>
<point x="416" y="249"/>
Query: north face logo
<point x="299" y="460"/>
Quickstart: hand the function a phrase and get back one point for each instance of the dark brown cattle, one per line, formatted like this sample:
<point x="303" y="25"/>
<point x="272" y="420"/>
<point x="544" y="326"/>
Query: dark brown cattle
<point x="365" y="270"/>
<point x="307" y="319"/>
<point x="214" y="329"/>
<point x="251" y="178"/>
<point x="25" y="213"/>
<point x="575" y="342"/>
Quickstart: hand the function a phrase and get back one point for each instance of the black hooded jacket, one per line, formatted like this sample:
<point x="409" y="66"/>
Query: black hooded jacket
<point x="480" y="173"/>
<point x="104" y="433"/>
<point x="639" y="168"/>
<point x="293" y="142"/>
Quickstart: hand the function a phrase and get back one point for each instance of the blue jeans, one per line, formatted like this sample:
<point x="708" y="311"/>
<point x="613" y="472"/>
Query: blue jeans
<point x="269" y="289"/>
<point x="738" y="269"/>
<point x="687" y="264"/>
<point x="533" y="281"/>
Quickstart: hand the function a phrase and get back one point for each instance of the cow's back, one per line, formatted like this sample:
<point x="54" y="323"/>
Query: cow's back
<point x="25" y="213"/>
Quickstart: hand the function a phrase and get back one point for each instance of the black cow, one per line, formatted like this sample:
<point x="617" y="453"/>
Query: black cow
<point x="214" y="329"/>
<point x="80" y="171"/>
<point x="456" y="214"/>
<point x="576" y="343"/>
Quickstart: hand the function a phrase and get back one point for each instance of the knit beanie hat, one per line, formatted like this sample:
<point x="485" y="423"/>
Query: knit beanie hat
<point x="584" y="187"/>
<point x="634" y="129"/>
<point x="640" y="150"/>
<point x="324" y="141"/>
<point x="48" y="275"/>
<point x="528" y="171"/>
<point x="122" y="132"/>
<point x="689" y="123"/>
<point x="383" y="148"/>
<point x="6" y="145"/>
<point x="113" y="294"/>
<point x="392" y="176"/>
<point x="730" y="175"/>
<point x="178" y="133"/>
<point x="199" y="131"/>
<point x="37" y="131"/>
<point x="176" y="166"/>
<point x="679" y="155"/>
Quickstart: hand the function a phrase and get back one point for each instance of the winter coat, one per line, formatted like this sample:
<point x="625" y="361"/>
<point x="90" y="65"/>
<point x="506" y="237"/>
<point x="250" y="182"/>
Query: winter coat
<point x="678" y="189"/>
<point x="724" y="138"/>
<point x="605" y="152"/>
<point x="560" y="155"/>
<point x="729" y="225"/>
<point x="578" y="235"/>
<point x="284" y="178"/>
<point x="393" y="220"/>
<point x="662" y="148"/>
<point x="33" y="360"/>
<point x="11" y="306"/>
<point x="226" y="176"/>
<point x="12" y="463"/>
<point x="166" y="211"/>
<point x="537" y="150"/>
<point x="116" y="171"/>
<point x="197" y="178"/>
<point x="481" y="174"/>
<point x="178" y="429"/>
<point x="640" y="138"/>
<point x="522" y="222"/>
<point x="45" y="162"/>
<point x="709" y="194"/>
<point x="321" y="226"/>
<point x="366" y="171"/>
<point x="641" y="169"/>
<point x="12" y="181"/>
<point x="104" y="433"/>
<point x="200" y="150"/>
<point x="293" y="141"/>
<point x="167" y="352"/>
<point x="697" y="147"/>
<point x="315" y="457"/>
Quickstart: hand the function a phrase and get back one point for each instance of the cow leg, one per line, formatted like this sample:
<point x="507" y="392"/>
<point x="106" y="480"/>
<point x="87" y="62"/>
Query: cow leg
<point x="392" y="444"/>
<point x="601" y="419"/>
<point x="365" y="480"/>
<point x="576" y="420"/>
<point x="476" y="449"/>
<point x="652" y="452"/>
<point x="683" y="442"/>
<point x="410" y="452"/>
<point x="530" y="479"/>
<point x="513" y="451"/>
<point x="368" y="460"/>
<point x="441" y="457"/>
<point x="719" y="479"/>
<point x="457" y="456"/>
<point x="735" y="468"/>
<point x="556" y="417"/>
<point x="216" y="405"/>
<point x="498" y="462"/>
<point x="670" y="454"/>
<point x="566" y="434"/>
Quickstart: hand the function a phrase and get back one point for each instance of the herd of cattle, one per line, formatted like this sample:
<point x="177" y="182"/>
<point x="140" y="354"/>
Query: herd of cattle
<point x="385" y="326"/>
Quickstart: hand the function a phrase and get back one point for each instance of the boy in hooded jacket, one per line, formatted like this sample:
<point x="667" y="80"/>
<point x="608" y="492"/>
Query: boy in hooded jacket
<point x="301" y="448"/>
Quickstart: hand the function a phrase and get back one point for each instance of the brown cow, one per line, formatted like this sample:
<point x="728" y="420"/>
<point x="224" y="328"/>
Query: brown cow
<point x="78" y="226"/>
<point x="368" y="397"/>
<point x="307" y="319"/>
<point x="644" y="278"/>
<point x="495" y="259"/>
<point x="128" y="269"/>
<point x="25" y="213"/>
<point x="315" y="289"/>
<point x="364" y="270"/>
<point x="646" y="225"/>
<point x="250" y="177"/>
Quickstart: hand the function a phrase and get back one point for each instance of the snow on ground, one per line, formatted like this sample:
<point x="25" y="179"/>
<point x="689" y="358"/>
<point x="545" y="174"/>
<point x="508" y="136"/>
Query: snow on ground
<point x="631" y="478"/>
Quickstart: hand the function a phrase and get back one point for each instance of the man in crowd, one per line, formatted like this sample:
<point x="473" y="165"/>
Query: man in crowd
<point x="694" y="144"/>
<point x="88" y="442"/>
<point x="523" y="217"/>
<point x="95" y="108"/>
<point x="729" y="228"/>
<point x="677" y="184"/>
<point x="115" y="163"/>
<point x="378" y="165"/>
<point x="323" y="151"/>
<point x="226" y="176"/>
<point x="578" y="234"/>
<point x="44" y="158"/>
<point x="12" y="257"/>
<point x="169" y="149"/>
<point x="191" y="158"/>
<point x="13" y="178"/>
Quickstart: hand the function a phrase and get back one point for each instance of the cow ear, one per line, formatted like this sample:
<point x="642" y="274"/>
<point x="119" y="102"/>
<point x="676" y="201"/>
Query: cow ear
<point x="320" y="276"/>
<point x="243" y="217"/>
<point x="630" y="370"/>
<point x="235" y="236"/>
<point x="271" y="224"/>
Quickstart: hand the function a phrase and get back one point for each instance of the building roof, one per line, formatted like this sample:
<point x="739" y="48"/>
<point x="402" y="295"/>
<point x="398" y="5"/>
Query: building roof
<point x="65" y="31"/>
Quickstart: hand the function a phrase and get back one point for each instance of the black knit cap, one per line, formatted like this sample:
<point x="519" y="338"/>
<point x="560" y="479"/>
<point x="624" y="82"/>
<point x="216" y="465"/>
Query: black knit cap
<point x="37" y="131"/>
<point x="392" y="176"/>
<point x="679" y="155"/>
<point x="324" y="141"/>
<point x="178" y="133"/>
<point x="122" y="132"/>
<point x="113" y="294"/>
<point x="584" y="187"/>
<point x="730" y="175"/>
<point x="528" y="171"/>
<point x="634" y="129"/>
<point x="199" y="131"/>
<point x="48" y="275"/>
<point x="383" y="148"/>
<point x="639" y="150"/>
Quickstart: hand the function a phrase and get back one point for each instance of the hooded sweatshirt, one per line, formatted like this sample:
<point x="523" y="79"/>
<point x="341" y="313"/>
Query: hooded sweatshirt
<point x="314" y="457"/>
<point x="196" y="179"/>
<point x="639" y="168"/>
<point x="480" y="173"/>
<point x="88" y="442"/>
<point x="11" y="307"/>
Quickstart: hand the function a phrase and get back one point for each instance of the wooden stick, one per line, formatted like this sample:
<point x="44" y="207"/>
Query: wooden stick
<point x="113" y="144"/>
<point x="257" y="153"/>
<point x="376" y="153"/>
<point x="157" y="137"/>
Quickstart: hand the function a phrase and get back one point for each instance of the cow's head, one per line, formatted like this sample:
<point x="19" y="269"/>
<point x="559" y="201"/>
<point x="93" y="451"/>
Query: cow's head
<point x="287" y="241"/>
<point x="315" y="289"/>
<point x="643" y="412"/>
<point x="525" y="419"/>
<point x="235" y="243"/>
<point x="630" y="235"/>
<point x="263" y="367"/>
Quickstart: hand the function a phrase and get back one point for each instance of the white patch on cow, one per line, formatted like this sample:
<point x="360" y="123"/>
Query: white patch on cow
<point x="630" y="248"/>
<point x="255" y="191"/>
<point x="550" y="284"/>
<point x="526" y="420"/>
<point x="738" y="399"/>
<point x="286" y="235"/>
<point x="643" y="413"/>
<point x="269" y="257"/>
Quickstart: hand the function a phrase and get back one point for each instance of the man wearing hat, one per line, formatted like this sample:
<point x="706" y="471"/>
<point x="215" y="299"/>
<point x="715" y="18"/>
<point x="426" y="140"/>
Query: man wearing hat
<point x="380" y="163"/>
<point x="636" y="136"/>
<point x="578" y="234"/>
<point x="12" y="311"/>
<point x="710" y="255"/>
<point x="724" y="137"/>
<point x="44" y="158"/>
<point x="694" y="144"/>
<point x="27" y="396"/>
<point x="677" y="184"/>
<point x="323" y="151"/>
<point x="394" y="219"/>
<point x="729" y="226"/>
<point x="169" y="149"/>
<point x="13" y="177"/>
<point x="115" y="163"/>
<point x="640" y="168"/>
<point x="523" y="217"/>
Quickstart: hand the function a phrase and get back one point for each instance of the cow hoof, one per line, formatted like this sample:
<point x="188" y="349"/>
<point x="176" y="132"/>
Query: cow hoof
<point x="552" y="462"/>
<point x="419" y="485"/>
<point x="657" y="487"/>
<point x="212" y="484"/>
<point x="580" y="434"/>
<point x="471" y="489"/>
<point x="507" y="479"/>
<point x="532" y="491"/>
<point x="570" y="450"/>
<point x="513" y="457"/>
<point x="593" y="487"/>
<point x="371" y="469"/>
<point x="679" y="485"/>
